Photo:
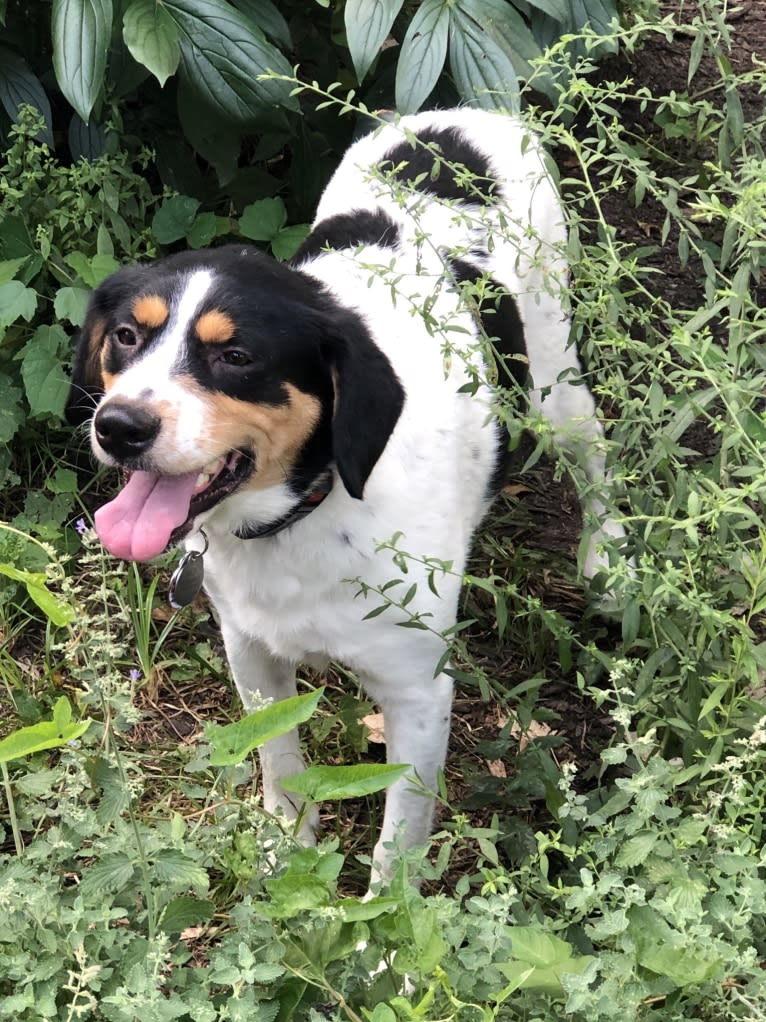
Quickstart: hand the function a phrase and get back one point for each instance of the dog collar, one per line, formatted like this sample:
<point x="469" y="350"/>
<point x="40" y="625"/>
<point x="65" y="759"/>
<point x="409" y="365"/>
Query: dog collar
<point x="309" y="503"/>
<point x="186" y="581"/>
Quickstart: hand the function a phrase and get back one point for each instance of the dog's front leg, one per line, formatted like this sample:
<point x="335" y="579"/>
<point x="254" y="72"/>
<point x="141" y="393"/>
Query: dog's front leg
<point x="417" y="724"/>
<point x="259" y="677"/>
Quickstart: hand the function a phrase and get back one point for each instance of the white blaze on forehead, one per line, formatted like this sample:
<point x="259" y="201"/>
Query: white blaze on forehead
<point x="151" y="379"/>
<point x="154" y="371"/>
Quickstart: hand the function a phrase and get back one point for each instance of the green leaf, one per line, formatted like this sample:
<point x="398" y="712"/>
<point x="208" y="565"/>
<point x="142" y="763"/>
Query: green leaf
<point x="554" y="8"/>
<point x="10" y="267"/>
<point x="11" y="412"/>
<point x="267" y="16"/>
<point x="548" y="957"/>
<point x="232" y="742"/>
<point x="170" y="866"/>
<point x="152" y="38"/>
<point x="636" y="849"/>
<point x="203" y="230"/>
<point x="18" y="85"/>
<point x="70" y="304"/>
<point x="323" y="783"/>
<point x="112" y="872"/>
<point x="483" y="72"/>
<point x="368" y="23"/>
<point x="45" y="382"/>
<point x="174" y="218"/>
<point x="16" y="302"/>
<point x="287" y="241"/>
<point x="506" y="27"/>
<point x="422" y="56"/>
<point x="81" y="33"/>
<point x="48" y="734"/>
<point x="263" y="220"/>
<point x="183" y="912"/>
<point x="223" y="56"/>
<point x="57" y="611"/>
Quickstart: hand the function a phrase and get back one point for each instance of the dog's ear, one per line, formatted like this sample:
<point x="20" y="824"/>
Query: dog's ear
<point x="368" y="400"/>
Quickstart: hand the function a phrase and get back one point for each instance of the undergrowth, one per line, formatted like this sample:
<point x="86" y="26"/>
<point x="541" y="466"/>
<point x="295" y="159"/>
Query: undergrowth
<point x="135" y="884"/>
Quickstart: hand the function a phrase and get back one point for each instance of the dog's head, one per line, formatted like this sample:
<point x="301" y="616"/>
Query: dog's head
<point x="222" y="371"/>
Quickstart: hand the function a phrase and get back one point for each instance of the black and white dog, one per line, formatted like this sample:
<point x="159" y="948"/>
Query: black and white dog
<point x="290" y="419"/>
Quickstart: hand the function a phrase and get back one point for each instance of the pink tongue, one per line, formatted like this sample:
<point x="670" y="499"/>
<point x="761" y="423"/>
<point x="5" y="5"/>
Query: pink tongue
<point x="138" y="523"/>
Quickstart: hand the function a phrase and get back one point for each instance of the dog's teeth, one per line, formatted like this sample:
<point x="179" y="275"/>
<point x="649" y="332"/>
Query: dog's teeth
<point x="203" y="479"/>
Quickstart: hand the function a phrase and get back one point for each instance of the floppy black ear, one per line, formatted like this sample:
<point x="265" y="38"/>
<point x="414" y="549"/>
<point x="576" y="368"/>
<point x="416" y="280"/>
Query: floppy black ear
<point x="368" y="401"/>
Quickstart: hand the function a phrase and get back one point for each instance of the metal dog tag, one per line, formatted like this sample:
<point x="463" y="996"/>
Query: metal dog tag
<point x="186" y="581"/>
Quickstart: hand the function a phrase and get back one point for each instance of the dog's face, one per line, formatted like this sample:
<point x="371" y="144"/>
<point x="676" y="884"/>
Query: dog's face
<point x="221" y="371"/>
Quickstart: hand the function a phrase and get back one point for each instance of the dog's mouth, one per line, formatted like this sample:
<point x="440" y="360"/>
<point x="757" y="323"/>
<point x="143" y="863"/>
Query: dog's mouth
<point x="152" y="510"/>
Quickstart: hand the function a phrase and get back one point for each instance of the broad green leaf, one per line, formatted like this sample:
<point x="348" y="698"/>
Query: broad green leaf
<point x="223" y="56"/>
<point x="267" y="16"/>
<point x="262" y="220"/>
<point x="506" y="27"/>
<point x="171" y="866"/>
<point x="112" y="872"/>
<point x="10" y="267"/>
<point x="422" y="56"/>
<point x="86" y="141"/>
<point x="289" y="240"/>
<point x="183" y="912"/>
<point x="19" y="85"/>
<point x="685" y="966"/>
<point x="152" y="38"/>
<point x="548" y="957"/>
<point x="45" y="382"/>
<point x="70" y="304"/>
<point x="16" y="302"/>
<point x="48" y="734"/>
<point x="11" y="412"/>
<point x="355" y="911"/>
<point x="174" y="218"/>
<point x="555" y="8"/>
<point x="81" y="34"/>
<point x="636" y="849"/>
<point x="368" y="23"/>
<point x="483" y="72"/>
<point x="232" y="742"/>
<point x="291" y="894"/>
<point x="203" y="230"/>
<point x="324" y="783"/>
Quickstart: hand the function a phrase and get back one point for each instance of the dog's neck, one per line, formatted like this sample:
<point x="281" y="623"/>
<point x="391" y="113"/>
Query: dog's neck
<point x="320" y="488"/>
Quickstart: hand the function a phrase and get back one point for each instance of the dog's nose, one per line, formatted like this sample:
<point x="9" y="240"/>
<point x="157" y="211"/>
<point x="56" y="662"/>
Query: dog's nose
<point x="125" y="430"/>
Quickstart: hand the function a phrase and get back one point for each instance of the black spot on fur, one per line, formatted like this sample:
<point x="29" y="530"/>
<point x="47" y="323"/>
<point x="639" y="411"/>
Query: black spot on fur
<point x="349" y="231"/>
<point x="443" y="164"/>
<point x="503" y="329"/>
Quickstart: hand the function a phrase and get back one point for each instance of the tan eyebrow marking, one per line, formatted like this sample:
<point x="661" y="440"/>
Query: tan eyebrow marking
<point x="215" y="327"/>
<point x="150" y="311"/>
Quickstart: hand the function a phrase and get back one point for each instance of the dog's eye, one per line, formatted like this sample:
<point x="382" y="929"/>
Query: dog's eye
<point x="235" y="357"/>
<point x="126" y="337"/>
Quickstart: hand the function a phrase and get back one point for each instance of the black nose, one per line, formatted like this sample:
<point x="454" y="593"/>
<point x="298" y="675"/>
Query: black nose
<point x="125" y="430"/>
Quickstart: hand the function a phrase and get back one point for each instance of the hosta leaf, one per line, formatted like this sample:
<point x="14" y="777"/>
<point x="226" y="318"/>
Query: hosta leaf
<point x="81" y="33"/>
<point x="483" y="72"/>
<point x="422" y="56"/>
<point x="19" y="85"/>
<point x="152" y="38"/>
<point x="222" y="56"/>
<point x="47" y="734"/>
<point x="321" y="783"/>
<point x="232" y="742"/>
<point x="368" y="23"/>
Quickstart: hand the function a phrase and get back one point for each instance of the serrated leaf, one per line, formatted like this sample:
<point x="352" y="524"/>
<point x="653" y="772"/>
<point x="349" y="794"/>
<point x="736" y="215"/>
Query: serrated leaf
<point x="112" y="873"/>
<point x="484" y="73"/>
<point x="185" y="911"/>
<point x="81" y="31"/>
<point x="171" y="866"/>
<point x="16" y="302"/>
<point x="232" y="742"/>
<point x="422" y="55"/>
<point x="636" y="849"/>
<point x="151" y="36"/>
<point x="262" y="220"/>
<point x="47" y="734"/>
<point x="19" y="85"/>
<point x="223" y="56"/>
<point x="324" y="783"/>
<point x="10" y="267"/>
<point x="71" y="304"/>
<point x="368" y="23"/>
<point x="174" y="218"/>
<point x="45" y="382"/>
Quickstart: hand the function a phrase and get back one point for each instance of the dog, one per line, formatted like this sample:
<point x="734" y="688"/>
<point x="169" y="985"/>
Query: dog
<point x="326" y="430"/>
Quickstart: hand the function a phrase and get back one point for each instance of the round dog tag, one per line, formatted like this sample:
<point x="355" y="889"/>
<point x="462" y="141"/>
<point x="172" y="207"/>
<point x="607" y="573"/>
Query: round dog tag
<point x="186" y="580"/>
